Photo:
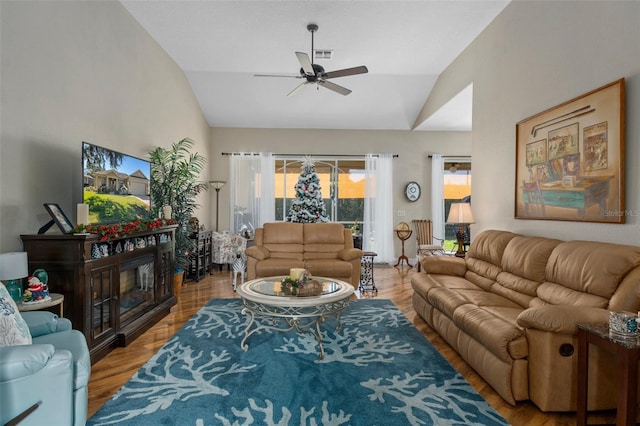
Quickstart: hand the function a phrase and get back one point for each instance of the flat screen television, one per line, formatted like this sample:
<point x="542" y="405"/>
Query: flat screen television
<point x="116" y="186"/>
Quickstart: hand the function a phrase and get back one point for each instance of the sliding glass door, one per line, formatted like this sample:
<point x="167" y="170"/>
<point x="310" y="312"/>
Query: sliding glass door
<point x="341" y="181"/>
<point x="457" y="188"/>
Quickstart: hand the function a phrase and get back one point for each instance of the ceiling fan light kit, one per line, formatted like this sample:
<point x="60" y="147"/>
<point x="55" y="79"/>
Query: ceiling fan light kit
<point x="315" y="73"/>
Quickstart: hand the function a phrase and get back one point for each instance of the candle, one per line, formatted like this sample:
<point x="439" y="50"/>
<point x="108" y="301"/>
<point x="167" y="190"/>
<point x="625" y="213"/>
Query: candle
<point x="166" y="212"/>
<point x="82" y="214"/>
<point x="296" y="273"/>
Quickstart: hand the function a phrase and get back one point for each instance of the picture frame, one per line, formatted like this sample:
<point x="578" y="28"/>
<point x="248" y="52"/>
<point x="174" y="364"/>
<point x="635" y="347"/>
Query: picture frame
<point x="58" y="217"/>
<point x="575" y="152"/>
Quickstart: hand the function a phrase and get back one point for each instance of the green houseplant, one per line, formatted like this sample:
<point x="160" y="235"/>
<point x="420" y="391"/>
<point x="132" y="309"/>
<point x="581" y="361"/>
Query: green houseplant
<point x="174" y="182"/>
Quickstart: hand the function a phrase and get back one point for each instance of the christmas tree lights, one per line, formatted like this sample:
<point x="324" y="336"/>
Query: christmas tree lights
<point x="308" y="206"/>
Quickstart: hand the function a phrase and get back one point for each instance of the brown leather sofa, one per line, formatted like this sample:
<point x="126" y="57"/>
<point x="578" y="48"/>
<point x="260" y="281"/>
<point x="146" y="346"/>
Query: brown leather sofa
<point x="325" y="249"/>
<point x="511" y="309"/>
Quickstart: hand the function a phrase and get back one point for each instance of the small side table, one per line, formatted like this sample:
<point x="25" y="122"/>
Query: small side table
<point x="56" y="299"/>
<point x="628" y="353"/>
<point x="366" y="272"/>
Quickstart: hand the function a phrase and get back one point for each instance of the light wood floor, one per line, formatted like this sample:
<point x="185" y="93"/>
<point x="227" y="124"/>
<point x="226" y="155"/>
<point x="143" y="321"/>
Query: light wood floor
<point x="111" y="372"/>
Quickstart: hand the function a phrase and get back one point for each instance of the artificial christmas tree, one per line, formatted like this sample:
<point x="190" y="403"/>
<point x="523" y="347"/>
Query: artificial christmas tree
<point x="308" y="206"/>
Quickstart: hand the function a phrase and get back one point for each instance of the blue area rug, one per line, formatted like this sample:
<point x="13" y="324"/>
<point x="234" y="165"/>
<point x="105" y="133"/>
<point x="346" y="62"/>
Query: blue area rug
<point x="378" y="370"/>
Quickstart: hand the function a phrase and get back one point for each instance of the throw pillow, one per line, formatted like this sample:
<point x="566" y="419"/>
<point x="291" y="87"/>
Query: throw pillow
<point x="13" y="328"/>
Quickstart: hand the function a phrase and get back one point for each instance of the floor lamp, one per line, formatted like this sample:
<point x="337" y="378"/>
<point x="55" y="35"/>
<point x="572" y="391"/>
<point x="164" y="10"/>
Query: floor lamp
<point x="217" y="184"/>
<point x="460" y="213"/>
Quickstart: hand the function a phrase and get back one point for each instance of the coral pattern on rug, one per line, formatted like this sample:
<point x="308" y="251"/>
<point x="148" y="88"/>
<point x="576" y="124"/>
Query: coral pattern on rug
<point x="378" y="370"/>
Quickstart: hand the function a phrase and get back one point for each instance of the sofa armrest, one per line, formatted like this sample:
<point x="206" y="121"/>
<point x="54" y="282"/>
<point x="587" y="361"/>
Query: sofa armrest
<point x="37" y="373"/>
<point x="258" y="252"/>
<point x="43" y="322"/>
<point x="445" y="265"/>
<point x="561" y="318"/>
<point x="21" y="361"/>
<point x="349" y="254"/>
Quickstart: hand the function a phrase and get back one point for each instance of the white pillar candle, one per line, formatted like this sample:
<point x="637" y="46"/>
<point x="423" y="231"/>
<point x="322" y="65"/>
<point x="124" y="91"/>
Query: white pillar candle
<point x="296" y="273"/>
<point x="82" y="214"/>
<point x="166" y="212"/>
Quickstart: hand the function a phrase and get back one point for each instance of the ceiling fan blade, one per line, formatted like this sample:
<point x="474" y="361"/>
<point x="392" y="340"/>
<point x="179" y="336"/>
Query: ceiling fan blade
<point x="278" y="75"/>
<point x="305" y="63"/>
<point x="297" y="89"/>
<point x="332" y="86"/>
<point x="345" y="72"/>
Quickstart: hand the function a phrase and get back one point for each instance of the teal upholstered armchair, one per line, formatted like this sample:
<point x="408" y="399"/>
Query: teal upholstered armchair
<point x="50" y="374"/>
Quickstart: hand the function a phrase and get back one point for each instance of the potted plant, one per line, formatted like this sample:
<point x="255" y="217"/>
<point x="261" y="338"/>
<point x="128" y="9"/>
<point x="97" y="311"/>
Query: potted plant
<point x="174" y="182"/>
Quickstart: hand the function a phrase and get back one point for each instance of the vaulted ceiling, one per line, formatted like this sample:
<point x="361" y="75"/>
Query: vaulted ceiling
<point x="405" y="45"/>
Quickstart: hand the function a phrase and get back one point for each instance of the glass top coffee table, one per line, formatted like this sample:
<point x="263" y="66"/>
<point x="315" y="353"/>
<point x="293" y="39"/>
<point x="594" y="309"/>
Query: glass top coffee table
<point x="272" y="306"/>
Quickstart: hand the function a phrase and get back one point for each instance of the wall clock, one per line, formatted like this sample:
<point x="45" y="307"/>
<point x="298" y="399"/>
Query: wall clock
<point x="412" y="191"/>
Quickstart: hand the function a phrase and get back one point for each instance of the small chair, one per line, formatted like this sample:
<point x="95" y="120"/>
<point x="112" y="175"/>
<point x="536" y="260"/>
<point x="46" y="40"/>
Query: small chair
<point x="226" y="246"/>
<point x="424" y="240"/>
<point x="533" y="200"/>
<point x="44" y="382"/>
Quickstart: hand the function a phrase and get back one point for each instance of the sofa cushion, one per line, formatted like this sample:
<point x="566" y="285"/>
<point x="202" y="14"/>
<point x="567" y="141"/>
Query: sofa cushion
<point x="43" y="322"/>
<point x="627" y="297"/>
<point x="570" y="281"/>
<point x="483" y="260"/>
<point x="495" y="329"/>
<point x="489" y="246"/>
<point x="283" y="240"/>
<point x="273" y="267"/>
<point x="329" y="268"/>
<point x="323" y="240"/>
<point x="527" y="257"/>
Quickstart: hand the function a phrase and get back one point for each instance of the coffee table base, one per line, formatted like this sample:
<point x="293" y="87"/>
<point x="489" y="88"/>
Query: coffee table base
<point x="303" y="319"/>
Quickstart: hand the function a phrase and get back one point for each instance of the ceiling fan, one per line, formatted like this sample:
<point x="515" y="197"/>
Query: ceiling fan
<point x="315" y="74"/>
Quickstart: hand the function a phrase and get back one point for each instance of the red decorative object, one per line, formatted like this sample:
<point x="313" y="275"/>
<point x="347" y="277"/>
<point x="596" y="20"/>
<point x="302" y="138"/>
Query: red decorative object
<point x="120" y="230"/>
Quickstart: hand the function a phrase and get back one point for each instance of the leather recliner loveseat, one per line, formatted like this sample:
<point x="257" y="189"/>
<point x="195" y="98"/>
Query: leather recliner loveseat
<point x="53" y="372"/>
<point x="325" y="249"/>
<point x="511" y="308"/>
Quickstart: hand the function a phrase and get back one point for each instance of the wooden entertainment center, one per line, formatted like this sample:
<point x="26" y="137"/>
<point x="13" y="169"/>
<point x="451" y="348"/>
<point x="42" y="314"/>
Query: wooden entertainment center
<point x="113" y="290"/>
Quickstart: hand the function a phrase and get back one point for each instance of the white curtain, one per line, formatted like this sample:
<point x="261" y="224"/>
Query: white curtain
<point x="378" y="207"/>
<point x="437" y="195"/>
<point x="252" y="191"/>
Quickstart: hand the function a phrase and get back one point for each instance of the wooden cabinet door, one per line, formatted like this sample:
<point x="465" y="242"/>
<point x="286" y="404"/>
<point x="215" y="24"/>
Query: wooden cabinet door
<point x="101" y="319"/>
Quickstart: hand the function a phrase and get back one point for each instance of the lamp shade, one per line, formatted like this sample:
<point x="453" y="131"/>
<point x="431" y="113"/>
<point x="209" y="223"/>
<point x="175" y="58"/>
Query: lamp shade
<point x="460" y="213"/>
<point x="14" y="266"/>
<point x="217" y="184"/>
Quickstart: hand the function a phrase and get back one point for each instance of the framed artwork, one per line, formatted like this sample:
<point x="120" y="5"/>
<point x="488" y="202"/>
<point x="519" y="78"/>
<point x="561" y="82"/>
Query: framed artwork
<point x="58" y="217"/>
<point x="574" y="152"/>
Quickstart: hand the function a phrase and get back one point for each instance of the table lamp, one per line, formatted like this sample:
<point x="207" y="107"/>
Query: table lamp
<point x="460" y="213"/>
<point x="13" y="268"/>
<point x="217" y="184"/>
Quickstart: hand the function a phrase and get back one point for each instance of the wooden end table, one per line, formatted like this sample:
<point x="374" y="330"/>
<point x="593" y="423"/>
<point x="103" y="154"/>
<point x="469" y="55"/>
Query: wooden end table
<point x="56" y="299"/>
<point x="628" y="353"/>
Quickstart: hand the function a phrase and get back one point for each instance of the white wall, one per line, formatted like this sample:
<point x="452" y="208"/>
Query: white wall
<point x="412" y="163"/>
<point x="533" y="56"/>
<point x="74" y="71"/>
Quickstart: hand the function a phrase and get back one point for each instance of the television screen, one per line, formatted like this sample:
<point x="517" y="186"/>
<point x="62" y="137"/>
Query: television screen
<point x="116" y="186"/>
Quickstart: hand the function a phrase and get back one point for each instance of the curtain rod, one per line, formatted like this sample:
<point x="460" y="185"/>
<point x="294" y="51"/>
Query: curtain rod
<point x="451" y="156"/>
<point x="302" y="155"/>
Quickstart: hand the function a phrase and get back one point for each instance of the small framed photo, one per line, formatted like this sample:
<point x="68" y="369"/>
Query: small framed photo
<point x="59" y="217"/>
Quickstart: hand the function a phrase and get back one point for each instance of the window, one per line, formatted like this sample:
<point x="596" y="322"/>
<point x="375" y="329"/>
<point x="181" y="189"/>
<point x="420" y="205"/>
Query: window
<point x="457" y="188"/>
<point x="342" y="184"/>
